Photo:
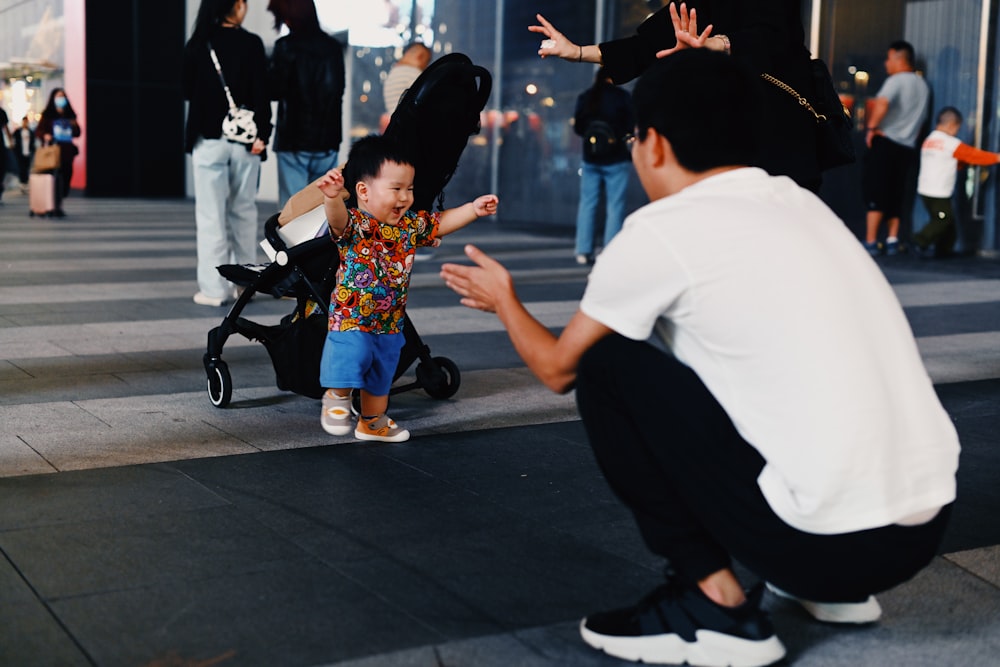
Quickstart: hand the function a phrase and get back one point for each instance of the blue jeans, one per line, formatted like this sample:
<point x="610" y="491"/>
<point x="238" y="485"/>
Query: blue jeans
<point x="226" y="177"/>
<point x="614" y="178"/>
<point x="297" y="169"/>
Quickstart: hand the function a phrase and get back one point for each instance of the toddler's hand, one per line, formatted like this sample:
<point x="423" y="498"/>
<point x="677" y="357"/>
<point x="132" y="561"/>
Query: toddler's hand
<point x="332" y="184"/>
<point x="486" y="205"/>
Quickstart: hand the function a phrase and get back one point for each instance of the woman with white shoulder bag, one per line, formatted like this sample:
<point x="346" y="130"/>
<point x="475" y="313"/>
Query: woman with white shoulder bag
<point x="228" y="127"/>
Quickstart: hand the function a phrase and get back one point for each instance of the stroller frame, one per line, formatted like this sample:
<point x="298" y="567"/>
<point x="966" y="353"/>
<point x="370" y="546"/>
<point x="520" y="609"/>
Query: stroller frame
<point x="434" y="120"/>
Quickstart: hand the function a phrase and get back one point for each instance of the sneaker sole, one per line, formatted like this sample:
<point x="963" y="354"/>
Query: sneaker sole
<point x="399" y="437"/>
<point x="333" y="429"/>
<point x="208" y="301"/>
<point x="710" y="649"/>
<point x="856" y="613"/>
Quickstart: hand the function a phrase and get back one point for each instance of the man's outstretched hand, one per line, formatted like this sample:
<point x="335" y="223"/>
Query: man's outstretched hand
<point x="483" y="286"/>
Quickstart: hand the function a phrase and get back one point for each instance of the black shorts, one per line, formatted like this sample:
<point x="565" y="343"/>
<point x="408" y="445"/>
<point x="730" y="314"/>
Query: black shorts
<point x="883" y="181"/>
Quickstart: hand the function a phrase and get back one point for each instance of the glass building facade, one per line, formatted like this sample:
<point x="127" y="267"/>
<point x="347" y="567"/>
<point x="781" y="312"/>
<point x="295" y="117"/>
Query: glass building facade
<point x="527" y="151"/>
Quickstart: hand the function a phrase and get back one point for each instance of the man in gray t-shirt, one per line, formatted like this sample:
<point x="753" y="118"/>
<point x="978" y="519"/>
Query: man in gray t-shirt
<point x="893" y="126"/>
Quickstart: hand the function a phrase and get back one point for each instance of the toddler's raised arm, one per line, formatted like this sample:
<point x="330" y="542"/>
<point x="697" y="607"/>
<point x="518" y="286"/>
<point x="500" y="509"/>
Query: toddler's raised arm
<point x="454" y="219"/>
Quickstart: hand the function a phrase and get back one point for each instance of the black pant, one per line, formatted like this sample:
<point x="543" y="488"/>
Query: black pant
<point x="673" y="456"/>
<point x="885" y="169"/>
<point x="940" y="231"/>
<point x="23" y="167"/>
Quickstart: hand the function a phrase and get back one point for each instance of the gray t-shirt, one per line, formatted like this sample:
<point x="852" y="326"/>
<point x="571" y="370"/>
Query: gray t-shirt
<point x="908" y="96"/>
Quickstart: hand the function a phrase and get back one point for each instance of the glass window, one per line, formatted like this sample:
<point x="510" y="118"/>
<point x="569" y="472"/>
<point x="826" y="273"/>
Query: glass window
<point x="855" y="35"/>
<point x="526" y="149"/>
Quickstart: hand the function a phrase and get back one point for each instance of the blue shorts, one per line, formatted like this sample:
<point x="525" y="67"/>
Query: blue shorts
<point x="360" y="360"/>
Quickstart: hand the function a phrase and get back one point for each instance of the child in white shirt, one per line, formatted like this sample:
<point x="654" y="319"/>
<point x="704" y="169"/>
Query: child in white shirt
<point x="940" y="156"/>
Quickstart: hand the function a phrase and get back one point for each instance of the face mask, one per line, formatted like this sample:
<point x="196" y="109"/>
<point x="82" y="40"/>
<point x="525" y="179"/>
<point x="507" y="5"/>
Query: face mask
<point x="60" y="102"/>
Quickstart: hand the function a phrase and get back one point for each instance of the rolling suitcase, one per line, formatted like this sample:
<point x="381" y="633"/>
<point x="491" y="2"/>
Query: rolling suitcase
<point x="42" y="194"/>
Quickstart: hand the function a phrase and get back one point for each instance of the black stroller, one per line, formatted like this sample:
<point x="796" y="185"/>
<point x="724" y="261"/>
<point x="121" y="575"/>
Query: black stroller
<point x="434" y="120"/>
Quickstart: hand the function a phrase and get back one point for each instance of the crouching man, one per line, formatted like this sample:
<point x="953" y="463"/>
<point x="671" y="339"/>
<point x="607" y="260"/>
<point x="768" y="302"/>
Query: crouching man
<point x="748" y="382"/>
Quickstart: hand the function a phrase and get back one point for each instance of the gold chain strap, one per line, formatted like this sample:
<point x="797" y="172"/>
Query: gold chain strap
<point x="820" y="118"/>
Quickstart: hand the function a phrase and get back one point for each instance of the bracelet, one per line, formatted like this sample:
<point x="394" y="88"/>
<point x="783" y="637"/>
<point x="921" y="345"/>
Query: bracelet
<point x="580" y="59"/>
<point x="726" y="46"/>
<point x="872" y="129"/>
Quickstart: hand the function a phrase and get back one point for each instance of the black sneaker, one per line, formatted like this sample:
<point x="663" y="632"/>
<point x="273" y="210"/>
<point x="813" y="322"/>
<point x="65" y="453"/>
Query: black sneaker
<point x="676" y="624"/>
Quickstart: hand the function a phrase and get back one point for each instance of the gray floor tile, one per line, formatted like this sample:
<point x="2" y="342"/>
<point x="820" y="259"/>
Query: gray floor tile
<point x="984" y="563"/>
<point x="179" y="549"/>
<point x="120" y="493"/>
<point x="480" y="542"/>
<point x="301" y="613"/>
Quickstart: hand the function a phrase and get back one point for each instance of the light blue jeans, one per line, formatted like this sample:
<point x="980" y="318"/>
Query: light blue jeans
<point x="614" y="178"/>
<point x="226" y="178"/>
<point x="297" y="169"/>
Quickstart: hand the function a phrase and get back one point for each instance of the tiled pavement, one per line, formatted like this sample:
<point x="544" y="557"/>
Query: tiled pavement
<point x="140" y="526"/>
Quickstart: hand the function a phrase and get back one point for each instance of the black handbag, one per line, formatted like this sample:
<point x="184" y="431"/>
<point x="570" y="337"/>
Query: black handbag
<point x="834" y="145"/>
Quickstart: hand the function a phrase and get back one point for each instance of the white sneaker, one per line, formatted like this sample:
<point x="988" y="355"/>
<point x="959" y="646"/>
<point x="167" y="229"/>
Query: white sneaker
<point x="336" y="416"/>
<point x="868" y="611"/>
<point x="203" y="299"/>
<point x="381" y="429"/>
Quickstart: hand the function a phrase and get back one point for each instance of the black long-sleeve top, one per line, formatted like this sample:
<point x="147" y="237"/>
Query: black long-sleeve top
<point x="244" y="66"/>
<point x="766" y="37"/>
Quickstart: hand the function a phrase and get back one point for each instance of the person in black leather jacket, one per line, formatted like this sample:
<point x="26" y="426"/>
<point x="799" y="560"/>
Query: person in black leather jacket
<point x="763" y="37"/>
<point x="306" y="76"/>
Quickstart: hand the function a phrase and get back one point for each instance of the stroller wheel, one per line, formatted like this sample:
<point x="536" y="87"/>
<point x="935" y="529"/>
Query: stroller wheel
<point x="440" y="382"/>
<point x="220" y="383"/>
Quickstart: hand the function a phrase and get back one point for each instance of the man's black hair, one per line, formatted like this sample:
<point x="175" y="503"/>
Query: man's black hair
<point x="705" y="104"/>
<point x="904" y="47"/>
<point x="367" y="156"/>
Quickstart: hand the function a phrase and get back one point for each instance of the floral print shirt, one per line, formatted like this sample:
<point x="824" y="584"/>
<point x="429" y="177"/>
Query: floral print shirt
<point x="374" y="275"/>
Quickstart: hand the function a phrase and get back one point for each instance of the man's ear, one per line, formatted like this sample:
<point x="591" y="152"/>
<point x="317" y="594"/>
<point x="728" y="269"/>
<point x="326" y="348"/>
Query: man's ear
<point x="655" y="149"/>
<point x="361" y="191"/>
<point x="661" y="151"/>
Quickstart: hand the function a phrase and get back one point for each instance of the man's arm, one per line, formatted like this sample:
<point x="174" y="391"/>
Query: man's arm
<point x="879" y="108"/>
<point x="489" y="287"/>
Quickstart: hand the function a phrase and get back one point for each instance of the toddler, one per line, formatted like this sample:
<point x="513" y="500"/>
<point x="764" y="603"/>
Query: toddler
<point x="377" y="242"/>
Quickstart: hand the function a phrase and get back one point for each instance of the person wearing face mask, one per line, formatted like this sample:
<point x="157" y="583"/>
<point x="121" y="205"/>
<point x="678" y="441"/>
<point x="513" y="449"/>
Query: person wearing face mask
<point x="58" y="125"/>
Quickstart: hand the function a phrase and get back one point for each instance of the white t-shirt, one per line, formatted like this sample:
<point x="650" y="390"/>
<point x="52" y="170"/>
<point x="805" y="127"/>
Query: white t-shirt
<point x="758" y="287"/>
<point x="908" y="96"/>
<point x="938" y="165"/>
<point x="397" y="82"/>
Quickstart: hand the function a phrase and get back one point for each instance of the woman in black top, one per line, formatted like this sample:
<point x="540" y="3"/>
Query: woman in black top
<point x="226" y="173"/>
<point x="765" y="37"/>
